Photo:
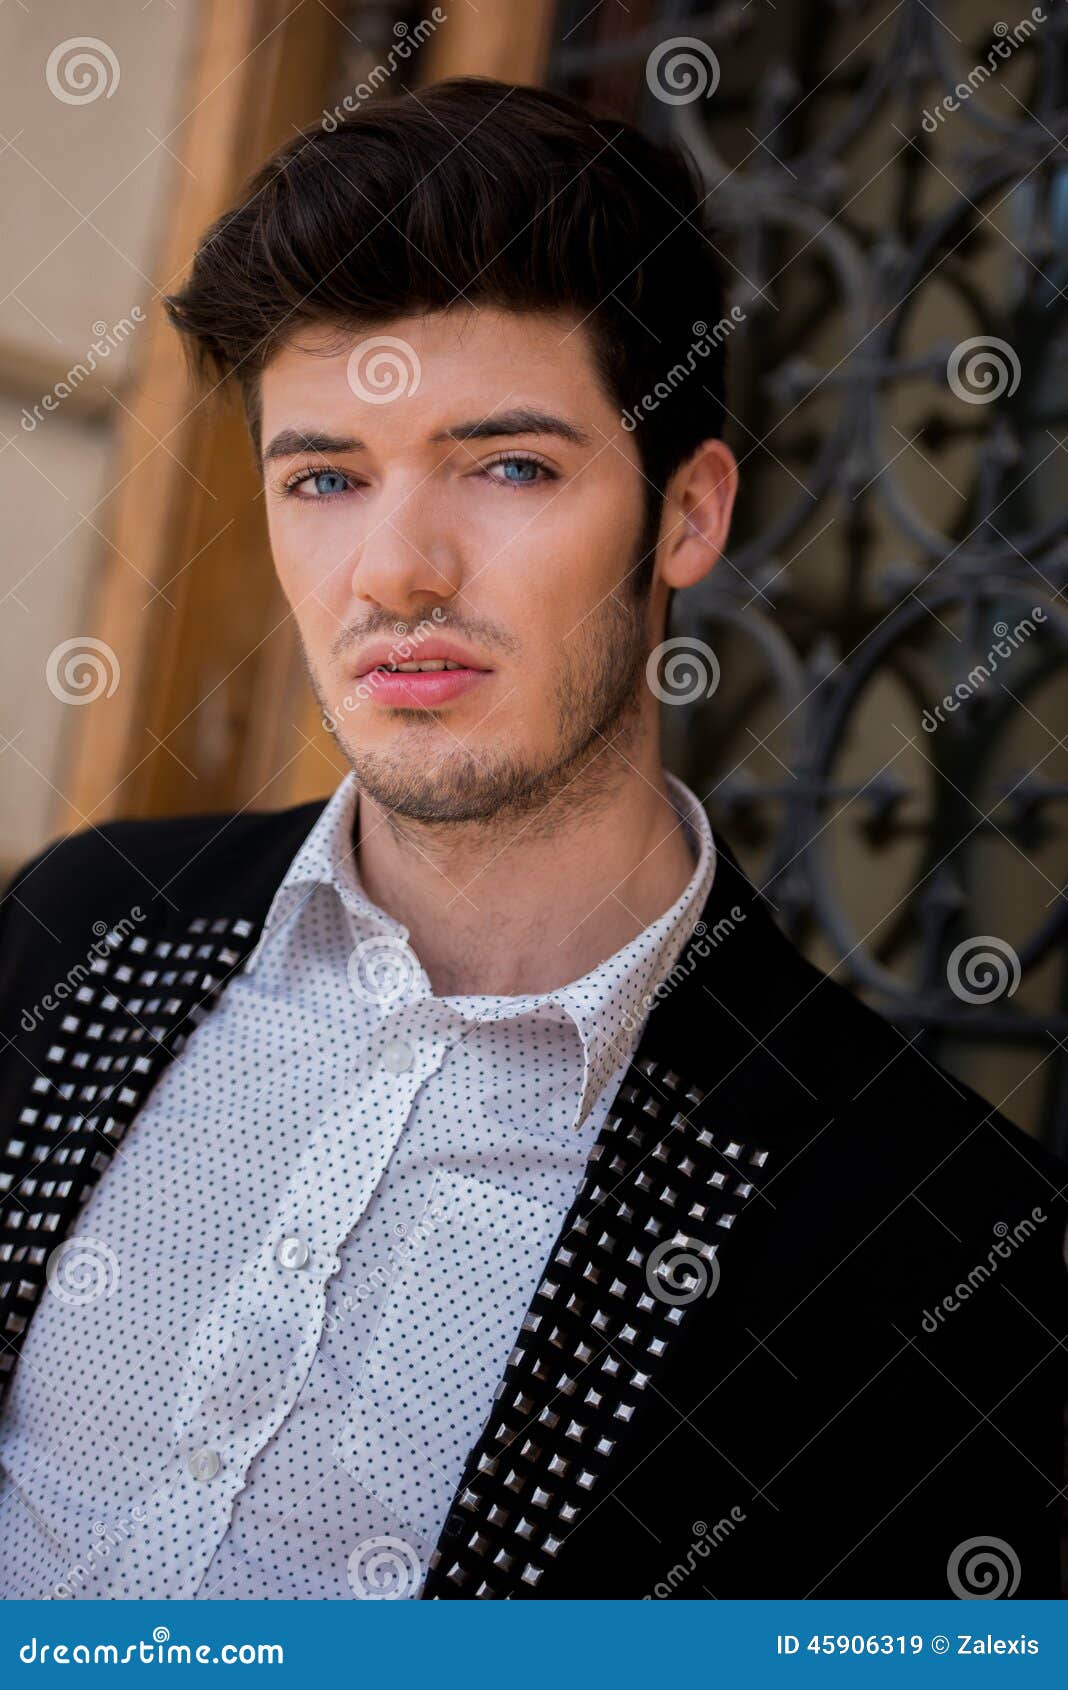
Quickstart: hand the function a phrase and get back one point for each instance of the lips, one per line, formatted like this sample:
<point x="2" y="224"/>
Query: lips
<point x="426" y="689"/>
<point x="432" y="656"/>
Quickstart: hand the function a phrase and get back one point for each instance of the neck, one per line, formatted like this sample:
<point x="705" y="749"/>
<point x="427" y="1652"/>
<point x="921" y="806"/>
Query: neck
<point x="530" y="908"/>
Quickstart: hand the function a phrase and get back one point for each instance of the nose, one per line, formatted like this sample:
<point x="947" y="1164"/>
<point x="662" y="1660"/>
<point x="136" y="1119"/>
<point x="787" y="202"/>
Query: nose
<point x="407" y="556"/>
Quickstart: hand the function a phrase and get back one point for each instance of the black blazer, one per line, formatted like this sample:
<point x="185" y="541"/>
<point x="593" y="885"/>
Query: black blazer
<point x="847" y="1377"/>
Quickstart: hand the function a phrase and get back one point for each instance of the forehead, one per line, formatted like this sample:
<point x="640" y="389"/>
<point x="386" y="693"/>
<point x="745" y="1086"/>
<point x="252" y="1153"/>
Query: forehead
<point x="412" y="371"/>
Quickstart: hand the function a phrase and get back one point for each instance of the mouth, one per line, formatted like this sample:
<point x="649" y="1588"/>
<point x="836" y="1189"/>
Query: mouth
<point x="421" y="685"/>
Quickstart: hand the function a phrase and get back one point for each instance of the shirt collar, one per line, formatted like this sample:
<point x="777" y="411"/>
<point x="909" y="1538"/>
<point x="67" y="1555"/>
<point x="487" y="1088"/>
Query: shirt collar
<point x="608" y="1005"/>
<point x="326" y="858"/>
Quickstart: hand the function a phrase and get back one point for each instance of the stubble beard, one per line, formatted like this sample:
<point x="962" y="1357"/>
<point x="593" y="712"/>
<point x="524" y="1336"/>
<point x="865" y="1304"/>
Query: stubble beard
<point x="599" y="694"/>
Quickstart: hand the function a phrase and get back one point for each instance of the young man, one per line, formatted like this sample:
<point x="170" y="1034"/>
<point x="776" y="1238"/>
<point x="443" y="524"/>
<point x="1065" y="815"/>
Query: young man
<point x="462" y="1189"/>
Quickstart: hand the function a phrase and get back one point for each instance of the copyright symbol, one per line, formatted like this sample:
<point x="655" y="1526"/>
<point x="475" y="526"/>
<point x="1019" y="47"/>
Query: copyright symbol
<point x="940" y="1645"/>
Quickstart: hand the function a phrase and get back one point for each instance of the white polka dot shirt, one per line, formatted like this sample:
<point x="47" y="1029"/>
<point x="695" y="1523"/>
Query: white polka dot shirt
<point x="324" y="1230"/>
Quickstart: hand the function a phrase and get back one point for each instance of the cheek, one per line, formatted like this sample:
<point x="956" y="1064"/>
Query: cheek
<point x="308" y="564"/>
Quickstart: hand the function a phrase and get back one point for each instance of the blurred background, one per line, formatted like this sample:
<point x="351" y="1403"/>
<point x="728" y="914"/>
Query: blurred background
<point x="885" y="749"/>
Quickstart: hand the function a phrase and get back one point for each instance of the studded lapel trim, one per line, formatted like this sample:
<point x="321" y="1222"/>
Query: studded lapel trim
<point x="641" y="1248"/>
<point x="124" y="1025"/>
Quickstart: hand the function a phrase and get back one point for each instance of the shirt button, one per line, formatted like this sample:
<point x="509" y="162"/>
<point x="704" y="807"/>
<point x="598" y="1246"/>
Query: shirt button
<point x="204" y="1463"/>
<point x="292" y="1253"/>
<point x="397" y="1055"/>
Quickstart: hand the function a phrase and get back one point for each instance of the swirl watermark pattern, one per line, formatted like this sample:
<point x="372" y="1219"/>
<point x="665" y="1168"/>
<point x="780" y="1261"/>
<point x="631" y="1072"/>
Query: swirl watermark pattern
<point x="81" y="670"/>
<point x="383" y="368"/>
<point x="1009" y="1240"/>
<point x="983" y="1569"/>
<point x="383" y="1569"/>
<point x="682" y="70"/>
<point x="983" y="369"/>
<point x="1003" y="48"/>
<point x="691" y="670"/>
<point x="82" y="1270"/>
<point x="80" y="69"/>
<point x="704" y="343"/>
<point x="983" y="969"/>
<point x="1007" y="641"/>
<point x="677" y="1271"/>
<point x="107" y="337"/>
<point x="407" y="39"/>
<point x="381" y="970"/>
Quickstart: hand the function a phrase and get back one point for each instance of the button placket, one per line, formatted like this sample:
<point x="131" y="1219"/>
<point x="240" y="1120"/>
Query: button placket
<point x="291" y="1275"/>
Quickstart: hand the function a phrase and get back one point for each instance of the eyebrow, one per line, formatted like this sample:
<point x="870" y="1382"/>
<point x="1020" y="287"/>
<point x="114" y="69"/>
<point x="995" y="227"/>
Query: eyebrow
<point x="290" y="442"/>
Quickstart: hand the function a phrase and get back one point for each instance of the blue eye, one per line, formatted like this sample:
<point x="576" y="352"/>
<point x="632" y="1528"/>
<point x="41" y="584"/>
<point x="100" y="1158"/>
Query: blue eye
<point x="327" y="481"/>
<point x="536" y="468"/>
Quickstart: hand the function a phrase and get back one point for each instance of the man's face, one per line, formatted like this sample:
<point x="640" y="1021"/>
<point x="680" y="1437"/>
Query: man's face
<point x="405" y="537"/>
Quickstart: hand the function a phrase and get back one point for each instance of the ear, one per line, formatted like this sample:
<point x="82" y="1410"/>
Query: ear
<point x="698" y="502"/>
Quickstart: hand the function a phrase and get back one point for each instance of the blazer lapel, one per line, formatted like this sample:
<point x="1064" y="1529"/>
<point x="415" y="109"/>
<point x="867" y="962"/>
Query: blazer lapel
<point x="127" y="1020"/>
<point x="642" y="1245"/>
<point x="675" y="1173"/>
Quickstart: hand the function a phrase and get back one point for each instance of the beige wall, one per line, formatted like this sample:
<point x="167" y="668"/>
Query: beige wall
<point x="84" y="188"/>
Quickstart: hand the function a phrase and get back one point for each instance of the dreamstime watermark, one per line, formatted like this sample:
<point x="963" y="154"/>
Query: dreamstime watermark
<point x="983" y="1569"/>
<point x="1008" y="1241"/>
<point x="681" y="1270"/>
<point x="706" y="340"/>
<point x="383" y="1569"/>
<point x="704" y="941"/>
<point x="690" y="672"/>
<point x="108" y="936"/>
<point x="81" y="670"/>
<point x="108" y="337"/>
<point x="80" y="69"/>
<point x="982" y="369"/>
<point x="705" y="1539"/>
<point x="107" y="1536"/>
<point x="382" y="1274"/>
<point x="408" y="39"/>
<point x="383" y="368"/>
<point x="982" y="969"/>
<point x="682" y="70"/>
<point x="1008" y="641"/>
<point x="405" y="651"/>
<point x="382" y="969"/>
<point x="1006" y="44"/>
<point x="82" y="1270"/>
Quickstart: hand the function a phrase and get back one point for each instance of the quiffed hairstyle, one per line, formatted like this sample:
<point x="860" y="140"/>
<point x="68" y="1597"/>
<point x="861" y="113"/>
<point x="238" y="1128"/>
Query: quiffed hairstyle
<point x="477" y="192"/>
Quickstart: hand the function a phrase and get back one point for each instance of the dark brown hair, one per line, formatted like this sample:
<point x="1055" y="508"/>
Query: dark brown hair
<point x="480" y="192"/>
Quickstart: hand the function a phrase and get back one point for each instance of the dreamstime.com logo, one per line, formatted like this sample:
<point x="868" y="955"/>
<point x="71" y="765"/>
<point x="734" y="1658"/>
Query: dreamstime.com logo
<point x="159" y="1651"/>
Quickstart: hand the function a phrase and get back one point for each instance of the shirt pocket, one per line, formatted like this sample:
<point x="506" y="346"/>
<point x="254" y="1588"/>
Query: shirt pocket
<point x="449" y="1324"/>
